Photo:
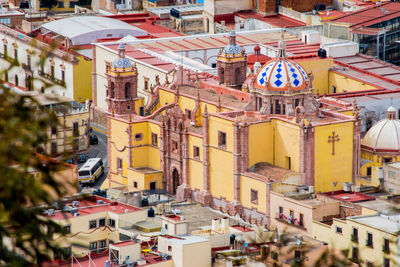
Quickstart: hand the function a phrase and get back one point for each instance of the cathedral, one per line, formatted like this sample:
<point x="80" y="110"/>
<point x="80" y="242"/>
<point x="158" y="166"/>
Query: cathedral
<point x="228" y="141"/>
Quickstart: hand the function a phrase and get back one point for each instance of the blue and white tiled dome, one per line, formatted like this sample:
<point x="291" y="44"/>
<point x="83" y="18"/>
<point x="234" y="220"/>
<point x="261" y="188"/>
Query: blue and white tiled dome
<point x="232" y="49"/>
<point x="281" y="74"/>
<point x="121" y="61"/>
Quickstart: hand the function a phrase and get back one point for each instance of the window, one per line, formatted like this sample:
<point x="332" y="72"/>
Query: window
<point x="63" y="75"/>
<point x="135" y="184"/>
<point x="6" y="76"/>
<point x="60" y="4"/>
<point x="221" y="139"/>
<point x="5" y="49"/>
<point x="28" y="61"/>
<point x="174" y="146"/>
<point x="92" y="224"/>
<point x="188" y="113"/>
<point x="72" y="4"/>
<point x="154" y="139"/>
<point x="152" y="186"/>
<point x="369" y="264"/>
<point x="76" y="129"/>
<point x="196" y="152"/>
<point x="354" y="254"/>
<point x="280" y="210"/>
<point x="102" y="222"/>
<point x="213" y="65"/>
<point x="354" y="236"/>
<point x="93" y="246"/>
<point x="146" y="83"/>
<point x="102" y="243"/>
<point x="297" y="255"/>
<point x="369" y="171"/>
<point x="369" y="241"/>
<point x="291" y="214"/>
<point x="254" y="196"/>
<point x="16" y="80"/>
<point x="387" y="160"/>
<point x="127" y="90"/>
<point x="169" y="248"/>
<point x="333" y="89"/>
<point x="119" y="163"/>
<point x="112" y="90"/>
<point x="339" y="230"/>
<point x="53" y="148"/>
<point x="53" y="130"/>
<point x="67" y="229"/>
<point x="301" y="220"/>
<point x="15" y="53"/>
<point x="52" y="71"/>
<point x="111" y="222"/>
<point x="274" y="255"/>
<point x="138" y="136"/>
<point x="277" y="107"/>
<point x="386" y="245"/>
<point x="386" y="262"/>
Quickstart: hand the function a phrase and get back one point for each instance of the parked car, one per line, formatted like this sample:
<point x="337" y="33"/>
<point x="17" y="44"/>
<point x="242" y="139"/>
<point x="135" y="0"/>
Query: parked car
<point x="81" y="158"/>
<point x="94" y="140"/>
<point x="70" y="161"/>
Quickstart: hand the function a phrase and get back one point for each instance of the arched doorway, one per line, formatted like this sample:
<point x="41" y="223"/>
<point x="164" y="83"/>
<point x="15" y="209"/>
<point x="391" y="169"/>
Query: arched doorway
<point x="175" y="180"/>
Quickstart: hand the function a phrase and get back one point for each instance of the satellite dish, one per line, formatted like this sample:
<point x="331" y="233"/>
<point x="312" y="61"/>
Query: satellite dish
<point x="298" y="242"/>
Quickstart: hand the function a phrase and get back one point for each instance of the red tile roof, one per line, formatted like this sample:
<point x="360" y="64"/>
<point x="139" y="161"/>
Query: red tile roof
<point x="370" y="15"/>
<point x="275" y="20"/>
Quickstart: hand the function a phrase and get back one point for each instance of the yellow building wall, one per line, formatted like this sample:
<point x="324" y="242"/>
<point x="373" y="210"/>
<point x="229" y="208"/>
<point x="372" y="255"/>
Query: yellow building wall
<point x="343" y="240"/>
<point x="286" y="139"/>
<point x="246" y="185"/>
<point x="143" y="180"/>
<point x="83" y="80"/>
<point x="221" y="160"/>
<point x="320" y="69"/>
<point x="195" y="165"/>
<point x="261" y="143"/>
<point x="345" y="84"/>
<point x="66" y="7"/>
<point x="375" y="164"/>
<point x="330" y="168"/>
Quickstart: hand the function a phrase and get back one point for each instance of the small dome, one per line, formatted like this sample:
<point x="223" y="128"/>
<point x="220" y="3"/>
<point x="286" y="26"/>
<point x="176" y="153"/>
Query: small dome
<point x="280" y="74"/>
<point x="383" y="135"/>
<point x="122" y="63"/>
<point x="391" y="109"/>
<point x="233" y="49"/>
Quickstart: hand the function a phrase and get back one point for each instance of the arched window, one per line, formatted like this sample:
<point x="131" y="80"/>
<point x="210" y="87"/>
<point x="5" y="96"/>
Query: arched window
<point x="127" y="90"/>
<point x="112" y="90"/>
<point x="16" y="80"/>
<point x="237" y="76"/>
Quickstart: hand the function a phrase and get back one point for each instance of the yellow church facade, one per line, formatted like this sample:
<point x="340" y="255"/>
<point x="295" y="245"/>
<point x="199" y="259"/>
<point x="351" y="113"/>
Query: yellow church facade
<point x="227" y="148"/>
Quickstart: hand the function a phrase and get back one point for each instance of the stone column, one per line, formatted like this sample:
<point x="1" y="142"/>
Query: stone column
<point x="183" y="191"/>
<point x="245" y="146"/>
<point x="163" y="153"/>
<point x="356" y="150"/>
<point x="205" y="195"/>
<point x="235" y="206"/>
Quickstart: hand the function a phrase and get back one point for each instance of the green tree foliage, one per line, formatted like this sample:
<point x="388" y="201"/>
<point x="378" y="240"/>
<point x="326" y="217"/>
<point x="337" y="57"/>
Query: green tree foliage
<point x="48" y="4"/>
<point x="23" y="198"/>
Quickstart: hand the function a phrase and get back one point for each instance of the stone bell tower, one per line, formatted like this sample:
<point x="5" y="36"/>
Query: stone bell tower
<point x="122" y="85"/>
<point x="232" y="64"/>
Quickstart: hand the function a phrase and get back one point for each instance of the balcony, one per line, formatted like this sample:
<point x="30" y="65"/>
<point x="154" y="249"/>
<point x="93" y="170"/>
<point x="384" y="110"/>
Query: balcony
<point x="9" y="59"/>
<point x="354" y="238"/>
<point x="386" y="249"/>
<point x="27" y="68"/>
<point x="51" y="78"/>
<point x="293" y="223"/>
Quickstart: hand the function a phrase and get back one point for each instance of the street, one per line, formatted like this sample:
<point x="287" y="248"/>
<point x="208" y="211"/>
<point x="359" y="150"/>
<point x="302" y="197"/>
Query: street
<point x="97" y="151"/>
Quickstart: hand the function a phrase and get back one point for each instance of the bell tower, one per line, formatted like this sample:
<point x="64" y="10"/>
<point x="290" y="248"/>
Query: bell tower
<point x="232" y="64"/>
<point x="122" y="84"/>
